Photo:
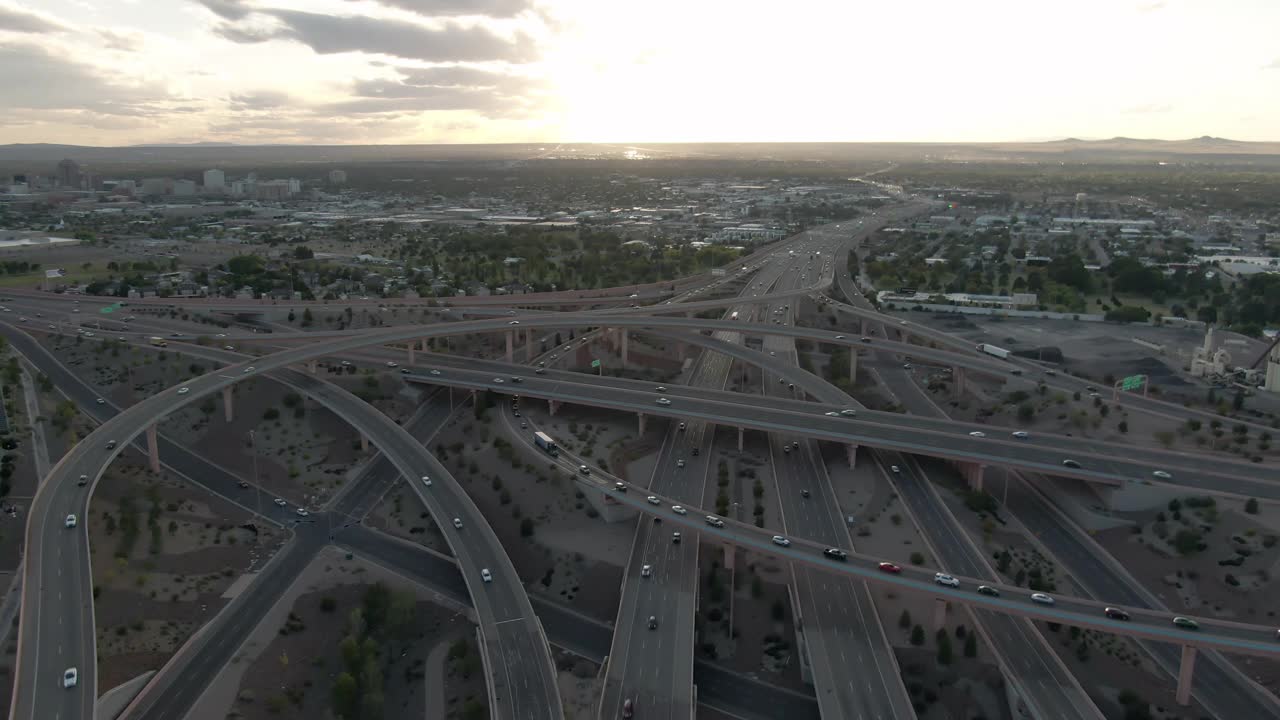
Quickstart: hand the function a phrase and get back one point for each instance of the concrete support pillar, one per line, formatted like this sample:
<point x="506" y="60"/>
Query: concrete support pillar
<point x="741" y="432"/>
<point x="510" y="340"/>
<point x="640" y="418"/>
<point x="852" y="451"/>
<point x="552" y="407"/>
<point x="153" y="448"/>
<point x="528" y="345"/>
<point x="313" y="366"/>
<point x="411" y="354"/>
<point x="422" y="345"/>
<point x="227" y="412"/>
<point x="682" y="349"/>
<point x="853" y="365"/>
<point x="729" y="554"/>
<point x="862" y="327"/>
<point x="1185" y="671"/>
<point x="364" y="443"/>
<point x="973" y="475"/>
<point x="939" y="614"/>
<point x="957" y="382"/>
<point x="624" y="345"/>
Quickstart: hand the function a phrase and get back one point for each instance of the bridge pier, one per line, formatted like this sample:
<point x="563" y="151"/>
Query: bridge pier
<point x="227" y="411"/>
<point x="1185" y="670"/>
<point x="528" y="345"/>
<point x="153" y="448"/>
<point x="411" y="353"/>
<point x="422" y="345"/>
<point x="552" y="407"/>
<point x="313" y="366"/>
<point x="973" y="473"/>
<point x="364" y="443"/>
<point x="957" y="383"/>
<point x="624" y="346"/>
<point x="853" y="365"/>
<point x="939" y="614"/>
<point x="852" y="451"/>
<point x="640" y="418"/>
<point x="510" y="340"/>
<point x="729" y="553"/>
<point x="741" y="432"/>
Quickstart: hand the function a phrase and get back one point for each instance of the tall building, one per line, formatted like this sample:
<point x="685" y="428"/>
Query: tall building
<point x="184" y="187"/>
<point x="337" y="177"/>
<point x="68" y="174"/>
<point x="215" y="181"/>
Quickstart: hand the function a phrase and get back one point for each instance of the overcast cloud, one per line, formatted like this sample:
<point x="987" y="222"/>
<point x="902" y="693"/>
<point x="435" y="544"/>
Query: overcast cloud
<point x="15" y="19"/>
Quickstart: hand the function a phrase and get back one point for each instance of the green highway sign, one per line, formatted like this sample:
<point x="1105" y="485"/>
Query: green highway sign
<point x="1133" y="382"/>
<point x="595" y="363"/>
<point x="110" y="309"/>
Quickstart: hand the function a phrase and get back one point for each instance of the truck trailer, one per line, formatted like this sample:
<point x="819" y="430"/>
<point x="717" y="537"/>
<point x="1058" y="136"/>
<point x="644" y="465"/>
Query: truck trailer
<point x="993" y="351"/>
<point x="545" y="442"/>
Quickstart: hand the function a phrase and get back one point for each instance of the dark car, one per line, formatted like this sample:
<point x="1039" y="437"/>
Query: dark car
<point x="628" y="708"/>
<point x="1116" y="613"/>
<point x="836" y="554"/>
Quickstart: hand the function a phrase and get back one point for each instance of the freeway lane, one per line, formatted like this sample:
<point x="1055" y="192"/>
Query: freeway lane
<point x="838" y="621"/>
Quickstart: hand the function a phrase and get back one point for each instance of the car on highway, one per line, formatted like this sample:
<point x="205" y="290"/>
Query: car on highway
<point x="836" y="554"/>
<point x="889" y="567"/>
<point x="457" y="523"/>
<point x="977" y="434"/>
<point x="434" y="372"/>
<point x="100" y="401"/>
<point x="392" y="363"/>
<point x="804" y="492"/>
<point x="244" y="484"/>
<point x="517" y="379"/>
<point x="584" y="470"/>
<point x="833" y="413"/>
<point x="682" y="427"/>
<point x="660" y="388"/>
<point x="405" y="371"/>
<point x="714" y="521"/>
<point x="680" y="462"/>
<point x="1186" y="623"/>
<point x="1070" y="463"/>
<point x="620" y="486"/>
<point x="514" y="322"/>
<point x="895" y="469"/>
<point x="988" y="590"/>
<point x="906" y="366"/>
<point x="849" y="412"/>
<point x="70" y="677"/>
<point x="249" y="369"/>
<point x="1021" y="434"/>
<point x="1162" y="474"/>
<point x="499" y="380"/>
<point x="646" y="571"/>
<point x="84" y="480"/>
<point x="1116" y="613"/>
<point x="653" y="622"/>
<point x="1041" y="598"/>
<point x="71" y="521"/>
<point x="653" y="500"/>
<point x="781" y="541"/>
<point x="346" y="363"/>
<point x="485" y="575"/>
<point x="663" y="401"/>
<point x="628" y="709"/>
<point x="229" y="347"/>
<point x="679" y="510"/>
<point x="864" y="339"/>
<point x="839" y="337"/>
<point x="280" y="502"/>
<point x="302" y="512"/>
<point x="675" y="538"/>
<point x="945" y="579"/>
<point x="184" y="390"/>
<point x="111" y="444"/>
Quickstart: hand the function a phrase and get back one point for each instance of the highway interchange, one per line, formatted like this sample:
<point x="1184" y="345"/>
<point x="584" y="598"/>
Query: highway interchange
<point x="56" y="596"/>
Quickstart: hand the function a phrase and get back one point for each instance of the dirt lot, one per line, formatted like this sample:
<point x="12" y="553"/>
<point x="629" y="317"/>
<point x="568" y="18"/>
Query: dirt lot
<point x="164" y="553"/>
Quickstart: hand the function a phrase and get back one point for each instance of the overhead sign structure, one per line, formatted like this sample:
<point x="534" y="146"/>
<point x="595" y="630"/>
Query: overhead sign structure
<point x="595" y="363"/>
<point x="1133" y="382"/>
<point x="108" y="309"/>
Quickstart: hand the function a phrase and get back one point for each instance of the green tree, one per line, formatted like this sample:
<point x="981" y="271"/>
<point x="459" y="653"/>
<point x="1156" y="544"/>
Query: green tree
<point x="917" y="635"/>
<point x="971" y="645"/>
<point x="944" y="647"/>
<point x="904" y="620"/>
<point x="1251" y="506"/>
<point x="346" y="696"/>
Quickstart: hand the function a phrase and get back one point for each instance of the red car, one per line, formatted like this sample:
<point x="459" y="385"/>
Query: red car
<point x="889" y="568"/>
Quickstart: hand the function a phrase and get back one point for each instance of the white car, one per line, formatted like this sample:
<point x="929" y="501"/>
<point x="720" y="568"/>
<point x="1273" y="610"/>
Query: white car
<point x="302" y="512"/>
<point x="895" y="469"/>
<point x="434" y="372"/>
<point x="426" y="481"/>
<point x="833" y="413"/>
<point x="660" y="388"/>
<point x="514" y="322"/>
<point x="945" y="579"/>
<point x="1021" y="435"/>
<point x="457" y="523"/>
<point x="100" y="401"/>
<point x="714" y="521"/>
<point x="1162" y="474"/>
<point x="71" y="521"/>
<point x="280" y="502"/>
<point x="392" y="363"/>
<point x="184" y="390"/>
<point x="781" y="541"/>
<point x="646" y="571"/>
<point x="499" y="380"/>
<point x="485" y="575"/>
<point x="680" y="462"/>
<point x="346" y="363"/>
<point x="679" y="510"/>
<point x="70" y="677"/>
<point x="663" y="401"/>
<point x="849" y="412"/>
<point x="249" y="369"/>
<point x="839" y="337"/>
<point x="653" y="500"/>
<point x="229" y="347"/>
<point x="977" y="434"/>
<point x="1041" y="598"/>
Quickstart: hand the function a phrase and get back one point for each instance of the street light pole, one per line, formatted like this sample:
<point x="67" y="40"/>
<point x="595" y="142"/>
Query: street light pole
<point x="253" y="444"/>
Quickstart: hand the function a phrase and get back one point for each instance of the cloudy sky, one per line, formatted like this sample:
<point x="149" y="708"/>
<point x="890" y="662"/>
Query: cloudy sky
<point x="115" y="72"/>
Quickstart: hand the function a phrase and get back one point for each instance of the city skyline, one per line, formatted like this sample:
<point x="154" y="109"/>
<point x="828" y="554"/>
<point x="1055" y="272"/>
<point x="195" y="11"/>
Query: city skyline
<point x="481" y="71"/>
